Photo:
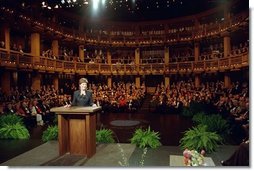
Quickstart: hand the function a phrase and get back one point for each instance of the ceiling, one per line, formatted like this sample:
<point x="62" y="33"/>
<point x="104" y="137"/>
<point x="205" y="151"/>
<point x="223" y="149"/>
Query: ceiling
<point x="122" y="10"/>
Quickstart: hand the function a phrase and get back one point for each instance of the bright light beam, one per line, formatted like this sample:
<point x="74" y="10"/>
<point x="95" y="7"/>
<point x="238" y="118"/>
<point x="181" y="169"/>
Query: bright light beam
<point x="96" y="5"/>
<point x="103" y="2"/>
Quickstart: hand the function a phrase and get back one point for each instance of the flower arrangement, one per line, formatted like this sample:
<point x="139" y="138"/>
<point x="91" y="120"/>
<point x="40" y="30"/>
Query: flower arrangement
<point x="193" y="158"/>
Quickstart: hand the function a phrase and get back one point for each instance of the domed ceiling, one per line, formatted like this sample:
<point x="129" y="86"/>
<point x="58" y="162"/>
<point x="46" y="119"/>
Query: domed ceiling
<point x="123" y="10"/>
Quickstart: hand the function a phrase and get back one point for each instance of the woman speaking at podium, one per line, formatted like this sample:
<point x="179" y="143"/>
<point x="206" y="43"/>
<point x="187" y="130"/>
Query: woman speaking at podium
<point x="82" y="97"/>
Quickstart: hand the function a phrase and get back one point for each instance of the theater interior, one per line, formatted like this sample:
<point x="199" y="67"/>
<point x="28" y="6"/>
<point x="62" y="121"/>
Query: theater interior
<point x="178" y="70"/>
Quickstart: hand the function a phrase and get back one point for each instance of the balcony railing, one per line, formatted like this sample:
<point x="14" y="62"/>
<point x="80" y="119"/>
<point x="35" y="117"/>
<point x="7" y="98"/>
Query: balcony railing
<point x="13" y="59"/>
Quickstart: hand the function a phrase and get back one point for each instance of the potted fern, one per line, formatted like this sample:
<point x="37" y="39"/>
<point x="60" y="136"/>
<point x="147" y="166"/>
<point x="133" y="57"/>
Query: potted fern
<point x="10" y="119"/>
<point x="14" y="131"/>
<point x="51" y="133"/>
<point x="12" y="127"/>
<point x="104" y="136"/>
<point x="214" y="123"/>
<point x="198" y="138"/>
<point x="146" y="138"/>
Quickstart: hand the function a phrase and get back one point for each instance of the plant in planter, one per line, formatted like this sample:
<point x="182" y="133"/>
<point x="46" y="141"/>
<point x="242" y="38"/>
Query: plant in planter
<point x="199" y="117"/>
<point x="14" y="131"/>
<point x="51" y="133"/>
<point x="146" y="138"/>
<point x="198" y="138"/>
<point x="10" y="119"/>
<point x="104" y="136"/>
<point x="214" y="123"/>
<point x="187" y="112"/>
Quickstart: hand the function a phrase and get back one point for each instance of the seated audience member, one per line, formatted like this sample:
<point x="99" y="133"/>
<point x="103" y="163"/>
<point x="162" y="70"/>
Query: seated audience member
<point x="45" y="108"/>
<point x="19" y="110"/>
<point x="24" y="107"/>
<point x="36" y="111"/>
<point x="240" y="157"/>
<point x="9" y="109"/>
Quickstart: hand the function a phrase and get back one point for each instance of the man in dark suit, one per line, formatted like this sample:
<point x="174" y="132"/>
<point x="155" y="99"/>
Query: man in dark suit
<point x="83" y="97"/>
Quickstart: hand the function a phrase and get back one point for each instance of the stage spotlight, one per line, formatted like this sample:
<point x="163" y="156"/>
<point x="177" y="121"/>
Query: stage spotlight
<point x="95" y="5"/>
<point x="103" y="2"/>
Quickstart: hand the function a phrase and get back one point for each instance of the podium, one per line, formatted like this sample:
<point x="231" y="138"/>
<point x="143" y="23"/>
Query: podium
<point x="77" y="130"/>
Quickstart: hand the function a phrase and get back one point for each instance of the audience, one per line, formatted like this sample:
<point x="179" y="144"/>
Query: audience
<point x="232" y="103"/>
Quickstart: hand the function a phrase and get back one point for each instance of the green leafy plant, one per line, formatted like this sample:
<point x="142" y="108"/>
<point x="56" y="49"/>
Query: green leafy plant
<point x="198" y="138"/>
<point x="14" y="131"/>
<point x="55" y="121"/>
<point x="51" y="133"/>
<point x="104" y="136"/>
<point x="146" y="138"/>
<point x="187" y="112"/>
<point x="199" y="117"/>
<point x="214" y="123"/>
<point x="10" y="119"/>
<point x="197" y="107"/>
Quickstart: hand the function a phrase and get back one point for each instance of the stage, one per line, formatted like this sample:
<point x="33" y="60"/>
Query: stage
<point x="109" y="155"/>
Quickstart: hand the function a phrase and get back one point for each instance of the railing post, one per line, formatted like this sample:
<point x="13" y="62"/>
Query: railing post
<point x="75" y="66"/>
<point x="99" y="68"/>
<point x="54" y="65"/>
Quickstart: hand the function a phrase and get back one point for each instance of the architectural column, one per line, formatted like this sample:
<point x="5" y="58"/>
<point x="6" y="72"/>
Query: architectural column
<point x="226" y="11"/>
<point x="35" y="45"/>
<point x="137" y="56"/>
<point x="227" y="80"/>
<point x="36" y="81"/>
<point x="166" y="56"/>
<point x="6" y="81"/>
<point x="137" y="81"/>
<point x="56" y="82"/>
<point x="197" y="80"/>
<point x="7" y="38"/>
<point x="81" y="52"/>
<point x="109" y="81"/>
<point x="137" y="61"/>
<point x="55" y="48"/>
<point x="196" y="51"/>
<point x="167" y="81"/>
<point x="227" y="44"/>
<point x="108" y="57"/>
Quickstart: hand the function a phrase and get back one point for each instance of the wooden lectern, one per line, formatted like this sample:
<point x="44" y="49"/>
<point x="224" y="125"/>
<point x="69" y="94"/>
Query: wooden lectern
<point x="77" y="130"/>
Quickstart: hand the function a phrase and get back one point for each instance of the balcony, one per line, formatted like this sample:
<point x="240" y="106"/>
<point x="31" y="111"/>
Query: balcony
<point x="15" y="60"/>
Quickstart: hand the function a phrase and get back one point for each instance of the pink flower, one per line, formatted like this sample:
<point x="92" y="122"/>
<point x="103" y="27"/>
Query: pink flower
<point x="202" y="152"/>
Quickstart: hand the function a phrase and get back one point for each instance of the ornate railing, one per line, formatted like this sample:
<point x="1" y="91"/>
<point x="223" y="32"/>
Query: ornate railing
<point x="16" y="60"/>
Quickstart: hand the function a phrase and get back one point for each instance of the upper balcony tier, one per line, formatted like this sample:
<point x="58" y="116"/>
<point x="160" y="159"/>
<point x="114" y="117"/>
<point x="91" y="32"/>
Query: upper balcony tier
<point x="17" y="61"/>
